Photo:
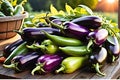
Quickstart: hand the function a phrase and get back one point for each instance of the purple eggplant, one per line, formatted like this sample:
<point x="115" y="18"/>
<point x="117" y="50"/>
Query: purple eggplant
<point x="90" y="22"/>
<point x="9" y="48"/>
<point x="31" y="34"/>
<point x="23" y="62"/>
<point x="70" y="29"/>
<point x="99" y="36"/>
<point x="113" y="50"/>
<point x="75" y="30"/>
<point x="47" y="63"/>
<point x="97" y="58"/>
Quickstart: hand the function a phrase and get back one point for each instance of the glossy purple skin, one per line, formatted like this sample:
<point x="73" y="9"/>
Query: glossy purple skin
<point x="101" y="36"/>
<point x="115" y="49"/>
<point x="90" y="22"/>
<point x="36" y="33"/>
<point x="51" y="62"/>
<point x="28" y="61"/>
<point x="76" y="30"/>
<point x="57" y="21"/>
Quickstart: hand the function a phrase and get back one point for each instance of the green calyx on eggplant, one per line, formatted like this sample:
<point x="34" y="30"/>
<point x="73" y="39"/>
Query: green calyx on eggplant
<point x="47" y="63"/>
<point x="90" y="22"/>
<point x="47" y="47"/>
<point x="71" y="64"/>
<point x="23" y="62"/>
<point x="97" y="58"/>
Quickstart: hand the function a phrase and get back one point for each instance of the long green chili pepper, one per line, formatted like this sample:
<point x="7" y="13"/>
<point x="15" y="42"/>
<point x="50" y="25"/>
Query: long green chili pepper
<point x="21" y="49"/>
<point x="63" y="41"/>
<point x="18" y="10"/>
<point x="75" y="50"/>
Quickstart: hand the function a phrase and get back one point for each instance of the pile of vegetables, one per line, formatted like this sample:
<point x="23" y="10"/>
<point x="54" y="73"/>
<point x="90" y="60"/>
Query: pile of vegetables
<point x="64" y="42"/>
<point x="7" y="9"/>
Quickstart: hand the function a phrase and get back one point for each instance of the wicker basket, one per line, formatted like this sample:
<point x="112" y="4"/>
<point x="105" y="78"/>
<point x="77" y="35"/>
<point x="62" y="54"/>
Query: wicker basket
<point x="10" y="23"/>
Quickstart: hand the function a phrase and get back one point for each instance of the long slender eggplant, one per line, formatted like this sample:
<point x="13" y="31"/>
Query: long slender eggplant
<point x="71" y="29"/>
<point x="31" y="34"/>
<point x="97" y="58"/>
<point x="90" y="22"/>
<point x="9" y="48"/>
<point x="113" y="50"/>
<point x="23" y="62"/>
<point x="47" y="63"/>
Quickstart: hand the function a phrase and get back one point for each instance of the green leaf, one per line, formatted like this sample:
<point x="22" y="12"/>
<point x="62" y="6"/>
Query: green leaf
<point x="69" y="9"/>
<point x="53" y="10"/>
<point x="110" y="40"/>
<point x="87" y="9"/>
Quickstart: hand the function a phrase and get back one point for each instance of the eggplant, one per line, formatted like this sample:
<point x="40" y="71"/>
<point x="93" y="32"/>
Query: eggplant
<point x="97" y="58"/>
<point x="47" y="63"/>
<point x="9" y="48"/>
<point x="23" y="62"/>
<point x="71" y="29"/>
<point x="75" y="30"/>
<point x="32" y="34"/>
<point x="90" y="22"/>
<point x="113" y="50"/>
<point x="99" y="36"/>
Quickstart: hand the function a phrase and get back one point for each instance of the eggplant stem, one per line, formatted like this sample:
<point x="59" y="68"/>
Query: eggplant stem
<point x="12" y="66"/>
<point x="35" y="69"/>
<point x="56" y="25"/>
<point x="113" y="58"/>
<point x="97" y="68"/>
<point x="60" y="69"/>
<point x="20" y="33"/>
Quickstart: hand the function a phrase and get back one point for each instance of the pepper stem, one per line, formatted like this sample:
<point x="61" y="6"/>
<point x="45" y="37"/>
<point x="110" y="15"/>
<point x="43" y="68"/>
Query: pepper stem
<point x="37" y="68"/>
<point x="97" y="68"/>
<point x="40" y="46"/>
<point x="60" y="69"/>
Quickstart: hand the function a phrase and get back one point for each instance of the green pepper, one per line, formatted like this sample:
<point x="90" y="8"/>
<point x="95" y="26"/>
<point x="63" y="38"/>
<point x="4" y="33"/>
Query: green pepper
<point x="47" y="47"/>
<point x="18" y="10"/>
<point x="76" y="50"/>
<point x="7" y="8"/>
<point x="21" y="49"/>
<point x="63" y="41"/>
<point x="71" y="64"/>
<point x="1" y="14"/>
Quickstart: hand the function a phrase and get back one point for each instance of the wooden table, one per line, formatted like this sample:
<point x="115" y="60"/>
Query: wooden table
<point x="112" y="70"/>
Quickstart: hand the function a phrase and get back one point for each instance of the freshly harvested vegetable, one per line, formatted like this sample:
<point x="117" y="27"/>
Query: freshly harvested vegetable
<point x="23" y="62"/>
<point x="11" y="47"/>
<point x="7" y="8"/>
<point x="47" y="47"/>
<point x="71" y="29"/>
<point x="97" y="58"/>
<point x="90" y="22"/>
<point x="1" y="14"/>
<point x="47" y="63"/>
<point x="113" y="50"/>
<point x="31" y="34"/>
<point x="2" y="59"/>
<point x="21" y="49"/>
<point x="75" y="50"/>
<point x="18" y="10"/>
<point x="71" y="64"/>
<point x="63" y="41"/>
<point x="99" y="36"/>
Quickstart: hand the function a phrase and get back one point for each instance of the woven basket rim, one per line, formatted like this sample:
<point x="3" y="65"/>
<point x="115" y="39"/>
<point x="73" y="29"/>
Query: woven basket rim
<point x="13" y="18"/>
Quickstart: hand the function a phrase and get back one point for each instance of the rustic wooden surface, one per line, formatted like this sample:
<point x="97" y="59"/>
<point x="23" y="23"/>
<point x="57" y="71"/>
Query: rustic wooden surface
<point x="112" y="70"/>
